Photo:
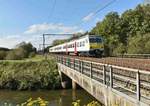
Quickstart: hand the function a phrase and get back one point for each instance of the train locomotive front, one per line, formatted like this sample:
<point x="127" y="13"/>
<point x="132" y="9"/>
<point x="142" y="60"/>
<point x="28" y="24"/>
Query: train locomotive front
<point x="96" y="46"/>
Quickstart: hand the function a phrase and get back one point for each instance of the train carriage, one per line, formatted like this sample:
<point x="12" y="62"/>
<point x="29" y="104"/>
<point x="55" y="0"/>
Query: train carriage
<point x="89" y="45"/>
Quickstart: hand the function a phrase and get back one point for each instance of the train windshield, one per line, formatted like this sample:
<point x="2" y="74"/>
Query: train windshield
<point x="95" y="40"/>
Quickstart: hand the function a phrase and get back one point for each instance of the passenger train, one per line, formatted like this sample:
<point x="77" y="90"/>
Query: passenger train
<point x="88" y="45"/>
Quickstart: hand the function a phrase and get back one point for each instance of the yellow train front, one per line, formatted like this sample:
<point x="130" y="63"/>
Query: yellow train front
<point x="96" y="46"/>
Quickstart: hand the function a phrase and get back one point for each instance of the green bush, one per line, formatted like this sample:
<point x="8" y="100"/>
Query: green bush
<point x="120" y="49"/>
<point x="93" y="103"/>
<point x="23" y="50"/>
<point x="11" y="55"/>
<point x="139" y="44"/>
<point x="29" y="75"/>
<point x="3" y="55"/>
<point x="16" y="54"/>
<point x="32" y="54"/>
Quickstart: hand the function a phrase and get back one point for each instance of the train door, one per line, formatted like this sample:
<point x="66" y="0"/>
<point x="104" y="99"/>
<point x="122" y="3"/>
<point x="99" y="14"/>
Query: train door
<point x="75" y="48"/>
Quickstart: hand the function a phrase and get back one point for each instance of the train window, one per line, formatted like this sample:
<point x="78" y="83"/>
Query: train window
<point x="78" y="44"/>
<point x="86" y="40"/>
<point x="83" y="43"/>
<point x="64" y="47"/>
<point x="95" y="40"/>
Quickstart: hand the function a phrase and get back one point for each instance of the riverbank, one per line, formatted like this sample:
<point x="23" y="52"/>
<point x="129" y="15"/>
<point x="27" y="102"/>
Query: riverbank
<point x="30" y="74"/>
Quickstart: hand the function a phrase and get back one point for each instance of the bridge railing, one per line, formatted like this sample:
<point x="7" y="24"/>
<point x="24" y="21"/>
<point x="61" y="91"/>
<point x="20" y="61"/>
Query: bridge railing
<point x="130" y="81"/>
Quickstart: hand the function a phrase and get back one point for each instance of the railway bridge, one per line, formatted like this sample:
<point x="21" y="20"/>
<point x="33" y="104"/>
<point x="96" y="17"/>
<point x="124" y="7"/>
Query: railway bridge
<point x="110" y="84"/>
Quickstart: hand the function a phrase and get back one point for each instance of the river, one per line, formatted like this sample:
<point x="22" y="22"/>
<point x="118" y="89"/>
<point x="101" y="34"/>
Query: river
<point x="54" y="97"/>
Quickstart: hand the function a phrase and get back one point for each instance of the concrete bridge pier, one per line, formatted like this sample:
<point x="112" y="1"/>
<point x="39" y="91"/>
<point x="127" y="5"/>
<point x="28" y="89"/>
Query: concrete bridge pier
<point x="65" y="80"/>
<point x="74" y="85"/>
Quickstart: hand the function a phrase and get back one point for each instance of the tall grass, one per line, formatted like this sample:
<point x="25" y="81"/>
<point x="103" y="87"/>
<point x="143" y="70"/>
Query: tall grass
<point x="29" y="75"/>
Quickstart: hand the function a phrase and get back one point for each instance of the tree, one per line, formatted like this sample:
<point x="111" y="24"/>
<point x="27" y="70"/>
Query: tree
<point x="2" y="54"/>
<point x="109" y="29"/>
<point x="120" y="32"/>
<point x="139" y="44"/>
<point x="57" y="42"/>
<point x="22" y="50"/>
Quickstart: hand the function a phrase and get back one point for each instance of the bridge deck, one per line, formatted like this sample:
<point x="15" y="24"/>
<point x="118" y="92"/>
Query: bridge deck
<point x="132" y="82"/>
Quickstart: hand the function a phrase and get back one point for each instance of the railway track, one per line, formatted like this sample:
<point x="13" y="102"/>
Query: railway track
<point x="135" y="63"/>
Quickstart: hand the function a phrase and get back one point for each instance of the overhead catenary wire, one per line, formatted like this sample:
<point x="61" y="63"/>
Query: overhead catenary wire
<point x="94" y="13"/>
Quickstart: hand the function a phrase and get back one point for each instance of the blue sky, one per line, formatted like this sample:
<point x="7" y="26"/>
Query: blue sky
<point x="27" y="20"/>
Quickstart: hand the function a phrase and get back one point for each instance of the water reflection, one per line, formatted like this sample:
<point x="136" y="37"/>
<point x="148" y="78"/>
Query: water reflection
<point x="55" y="98"/>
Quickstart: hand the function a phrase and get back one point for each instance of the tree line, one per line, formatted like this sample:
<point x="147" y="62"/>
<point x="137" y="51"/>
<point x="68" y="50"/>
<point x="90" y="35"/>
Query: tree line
<point x="21" y="51"/>
<point x="125" y="33"/>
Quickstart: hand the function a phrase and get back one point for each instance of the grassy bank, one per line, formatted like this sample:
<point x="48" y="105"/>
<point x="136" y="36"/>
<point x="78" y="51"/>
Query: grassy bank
<point x="29" y="74"/>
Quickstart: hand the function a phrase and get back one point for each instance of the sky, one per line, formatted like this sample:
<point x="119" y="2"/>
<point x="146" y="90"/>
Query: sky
<point x="27" y="20"/>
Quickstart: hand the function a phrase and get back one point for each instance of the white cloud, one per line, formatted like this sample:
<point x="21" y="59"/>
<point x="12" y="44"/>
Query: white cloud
<point x="10" y="41"/>
<point x="88" y="17"/>
<point x="34" y="32"/>
<point x="50" y="27"/>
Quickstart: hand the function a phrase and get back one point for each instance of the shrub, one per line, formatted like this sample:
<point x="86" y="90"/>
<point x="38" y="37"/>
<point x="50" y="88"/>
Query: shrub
<point x="139" y="44"/>
<point x="12" y="56"/>
<point x="30" y="75"/>
<point x="32" y="54"/>
<point x="22" y="50"/>
<point x="3" y="55"/>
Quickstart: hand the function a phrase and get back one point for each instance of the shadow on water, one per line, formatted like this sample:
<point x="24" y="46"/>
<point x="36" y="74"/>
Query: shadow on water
<point x="54" y="97"/>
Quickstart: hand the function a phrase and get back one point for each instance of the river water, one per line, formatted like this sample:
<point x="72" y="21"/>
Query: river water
<point x="54" y="97"/>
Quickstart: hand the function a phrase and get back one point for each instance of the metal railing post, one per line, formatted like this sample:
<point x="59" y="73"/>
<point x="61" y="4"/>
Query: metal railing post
<point x="104" y="75"/>
<point x="74" y="64"/>
<point x="138" y="94"/>
<point x="81" y="67"/>
<point x="111" y="77"/>
<point x="66" y="61"/>
<point x="61" y="60"/>
<point x="91" y="70"/>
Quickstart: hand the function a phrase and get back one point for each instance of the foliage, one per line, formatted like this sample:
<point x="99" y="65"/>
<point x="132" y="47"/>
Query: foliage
<point x="2" y="54"/>
<point x="4" y="49"/>
<point x="22" y="50"/>
<point x="11" y="55"/>
<point x="41" y="102"/>
<point x="37" y="102"/>
<point x="119" y="31"/>
<point x="31" y="102"/>
<point x="16" y="54"/>
<point x="139" y="44"/>
<point x="93" y="103"/>
<point x="57" y="42"/>
<point x="23" y="75"/>
<point x="75" y="36"/>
